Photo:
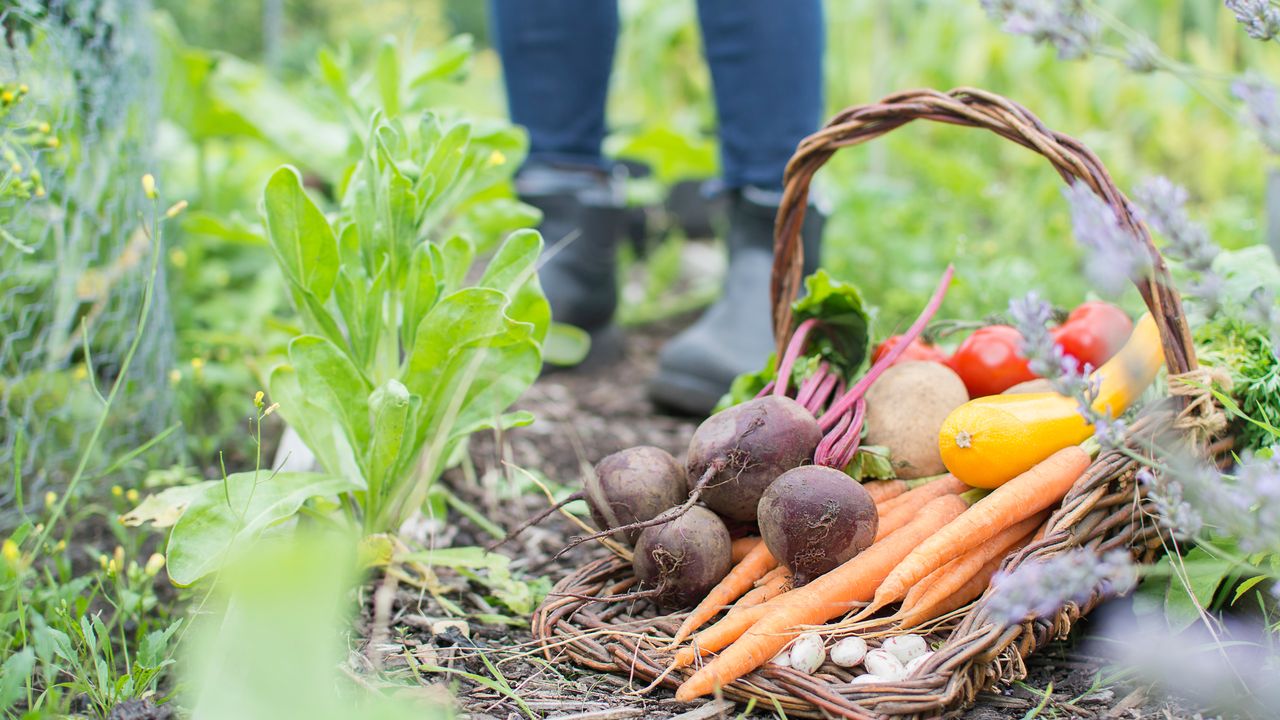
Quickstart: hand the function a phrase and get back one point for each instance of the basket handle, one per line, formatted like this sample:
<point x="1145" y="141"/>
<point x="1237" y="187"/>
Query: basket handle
<point x="973" y="108"/>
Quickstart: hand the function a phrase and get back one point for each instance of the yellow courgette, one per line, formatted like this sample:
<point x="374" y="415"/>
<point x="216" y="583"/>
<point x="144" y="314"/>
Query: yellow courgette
<point x="991" y="440"/>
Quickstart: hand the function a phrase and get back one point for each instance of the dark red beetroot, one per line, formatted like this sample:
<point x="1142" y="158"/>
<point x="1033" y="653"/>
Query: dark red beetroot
<point x="629" y="487"/>
<point x="681" y="560"/>
<point x="814" y="518"/>
<point x="634" y="485"/>
<point x="746" y="447"/>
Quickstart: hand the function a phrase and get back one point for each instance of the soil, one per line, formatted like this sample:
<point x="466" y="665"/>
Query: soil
<point x="581" y="416"/>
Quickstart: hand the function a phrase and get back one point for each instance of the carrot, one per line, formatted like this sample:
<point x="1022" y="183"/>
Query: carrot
<point x="921" y="494"/>
<point x="882" y="490"/>
<point x="742" y="546"/>
<point x="827" y="597"/>
<point x="948" y="579"/>
<point x="1027" y="494"/>
<point x="930" y="608"/>
<point x="776" y="582"/>
<point x="758" y="562"/>
<point x="901" y="510"/>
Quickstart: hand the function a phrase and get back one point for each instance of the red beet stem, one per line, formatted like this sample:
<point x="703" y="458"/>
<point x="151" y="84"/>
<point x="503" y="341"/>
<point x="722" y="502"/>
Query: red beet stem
<point x="847" y="448"/>
<point x="798" y="341"/>
<point x="841" y="407"/>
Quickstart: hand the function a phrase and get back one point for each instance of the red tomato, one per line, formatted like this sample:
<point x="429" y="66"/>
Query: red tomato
<point x="918" y="350"/>
<point x="990" y="361"/>
<point x="1093" y="332"/>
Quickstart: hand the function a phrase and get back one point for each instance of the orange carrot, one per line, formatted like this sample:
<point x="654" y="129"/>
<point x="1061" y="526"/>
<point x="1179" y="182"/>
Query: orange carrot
<point x="948" y="579"/>
<point x="767" y="588"/>
<point x="742" y="546"/>
<point x="902" y="509"/>
<point x="827" y="597"/>
<point x="729" y="628"/>
<point x="1027" y="494"/>
<point x="930" y="608"/>
<point x="918" y="496"/>
<point x="758" y="562"/>
<point x="882" y="490"/>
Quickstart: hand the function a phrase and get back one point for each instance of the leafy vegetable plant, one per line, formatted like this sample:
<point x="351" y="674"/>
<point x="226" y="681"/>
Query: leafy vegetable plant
<point x="404" y="348"/>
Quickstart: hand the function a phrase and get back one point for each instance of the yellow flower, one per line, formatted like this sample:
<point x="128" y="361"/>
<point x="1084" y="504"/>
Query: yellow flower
<point x="53" y="142"/>
<point x="24" y="88"/>
<point x="44" y="128"/>
<point x="7" y="96"/>
<point x="154" y="564"/>
<point x="175" y="209"/>
<point x="50" y="498"/>
<point x="178" y="257"/>
<point x="257" y="399"/>
<point x="117" y="491"/>
<point x="131" y="495"/>
<point x="16" y="168"/>
<point x="149" y="185"/>
<point x="10" y="551"/>
<point x="197" y="364"/>
<point x="175" y="376"/>
<point x="102" y="561"/>
<point x="80" y="373"/>
<point x="60" y="546"/>
<point x="497" y="158"/>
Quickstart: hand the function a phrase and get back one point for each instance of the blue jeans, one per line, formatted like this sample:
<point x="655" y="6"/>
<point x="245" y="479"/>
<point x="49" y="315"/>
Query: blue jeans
<point x="766" y="67"/>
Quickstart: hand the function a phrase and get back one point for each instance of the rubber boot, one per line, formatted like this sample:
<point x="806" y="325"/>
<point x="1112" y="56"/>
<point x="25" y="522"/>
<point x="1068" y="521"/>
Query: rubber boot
<point x="582" y="219"/>
<point x="734" y="335"/>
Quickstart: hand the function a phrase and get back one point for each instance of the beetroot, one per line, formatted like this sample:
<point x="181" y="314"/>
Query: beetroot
<point x="814" y="518"/>
<point x="628" y="489"/>
<point x="737" y="452"/>
<point x="634" y="485"/>
<point x="679" y="561"/>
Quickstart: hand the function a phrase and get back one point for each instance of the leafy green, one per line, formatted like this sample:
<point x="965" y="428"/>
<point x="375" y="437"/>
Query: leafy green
<point x="841" y="338"/>
<point x="844" y="330"/>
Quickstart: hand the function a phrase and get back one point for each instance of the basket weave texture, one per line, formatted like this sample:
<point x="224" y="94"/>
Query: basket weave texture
<point x="1104" y="511"/>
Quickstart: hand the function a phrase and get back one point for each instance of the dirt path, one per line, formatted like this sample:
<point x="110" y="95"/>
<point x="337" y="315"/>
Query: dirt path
<point x="582" y="416"/>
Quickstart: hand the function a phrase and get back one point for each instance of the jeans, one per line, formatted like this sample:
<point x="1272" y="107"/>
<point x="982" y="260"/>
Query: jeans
<point x="766" y="67"/>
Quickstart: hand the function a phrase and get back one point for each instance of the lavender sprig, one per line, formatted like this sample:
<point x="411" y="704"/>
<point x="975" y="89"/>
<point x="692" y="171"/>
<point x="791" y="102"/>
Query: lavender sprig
<point x="1162" y="204"/>
<point x="1114" y="256"/>
<point x="1031" y="316"/>
<point x="1064" y="24"/>
<point x="1192" y="497"/>
<point x="1260" y="18"/>
<point x="1038" y="588"/>
<point x="1262" y="107"/>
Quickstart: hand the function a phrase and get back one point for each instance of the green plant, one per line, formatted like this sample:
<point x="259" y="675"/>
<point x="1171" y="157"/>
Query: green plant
<point x="399" y="357"/>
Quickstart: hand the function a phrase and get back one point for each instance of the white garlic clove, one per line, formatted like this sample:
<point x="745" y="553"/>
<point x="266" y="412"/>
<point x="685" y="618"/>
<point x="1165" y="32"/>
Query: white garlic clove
<point x="849" y="652"/>
<point x="916" y="662"/>
<point x="808" y="653"/>
<point x="783" y="658"/>
<point x="906" y="647"/>
<point x="885" y="664"/>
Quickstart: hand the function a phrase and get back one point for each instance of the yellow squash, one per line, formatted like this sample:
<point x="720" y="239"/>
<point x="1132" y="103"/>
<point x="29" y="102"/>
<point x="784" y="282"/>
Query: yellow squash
<point x="990" y="440"/>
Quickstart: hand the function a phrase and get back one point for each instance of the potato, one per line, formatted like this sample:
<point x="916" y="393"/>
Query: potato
<point x="1038" y="385"/>
<point x="905" y="410"/>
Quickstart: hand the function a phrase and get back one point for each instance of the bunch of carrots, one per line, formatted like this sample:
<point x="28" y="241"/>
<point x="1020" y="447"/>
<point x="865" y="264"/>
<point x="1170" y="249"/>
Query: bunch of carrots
<point x="938" y="545"/>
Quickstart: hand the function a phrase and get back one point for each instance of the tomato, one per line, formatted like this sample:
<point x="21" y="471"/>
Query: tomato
<point x="1093" y="332"/>
<point x="917" y="350"/>
<point x="990" y="361"/>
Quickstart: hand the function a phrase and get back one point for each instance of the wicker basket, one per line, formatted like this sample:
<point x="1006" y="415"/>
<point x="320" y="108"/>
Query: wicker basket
<point x="1104" y="511"/>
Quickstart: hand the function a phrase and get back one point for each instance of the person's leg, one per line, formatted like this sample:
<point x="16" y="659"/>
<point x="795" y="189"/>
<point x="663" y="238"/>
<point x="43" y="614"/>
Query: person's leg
<point x="556" y="57"/>
<point x="766" y="66"/>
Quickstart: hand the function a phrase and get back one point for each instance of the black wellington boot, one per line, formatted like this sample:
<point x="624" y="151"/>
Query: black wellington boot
<point x="583" y="215"/>
<point x="734" y="335"/>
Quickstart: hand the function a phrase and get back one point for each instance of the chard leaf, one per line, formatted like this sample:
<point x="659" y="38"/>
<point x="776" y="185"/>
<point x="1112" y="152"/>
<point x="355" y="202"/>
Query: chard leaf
<point x="300" y="235"/>
<point x="845" y="332"/>
<point x="223" y="517"/>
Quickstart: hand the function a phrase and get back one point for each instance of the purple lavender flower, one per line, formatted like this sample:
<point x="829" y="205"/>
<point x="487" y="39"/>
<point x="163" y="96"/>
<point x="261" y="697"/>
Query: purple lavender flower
<point x="1163" y="207"/>
<point x="1193" y="498"/>
<point x="1038" y="588"/>
<point x="1262" y="107"/>
<point x="1065" y="24"/>
<point x="1259" y="17"/>
<point x="1031" y="316"/>
<point x="1114" y="255"/>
